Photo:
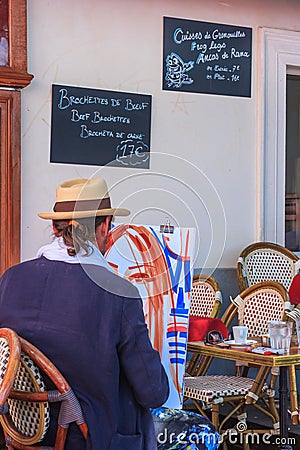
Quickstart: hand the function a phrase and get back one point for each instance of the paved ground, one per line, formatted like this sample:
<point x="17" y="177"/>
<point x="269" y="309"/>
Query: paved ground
<point x="264" y="441"/>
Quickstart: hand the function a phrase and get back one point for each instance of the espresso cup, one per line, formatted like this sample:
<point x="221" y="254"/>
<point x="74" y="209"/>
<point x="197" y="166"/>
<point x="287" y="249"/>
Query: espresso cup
<point x="240" y="333"/>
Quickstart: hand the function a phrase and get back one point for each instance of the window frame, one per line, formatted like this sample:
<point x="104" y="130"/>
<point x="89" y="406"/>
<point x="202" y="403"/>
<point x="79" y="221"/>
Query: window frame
<point x="16" y="74"/>
<point x="280" y="53"/>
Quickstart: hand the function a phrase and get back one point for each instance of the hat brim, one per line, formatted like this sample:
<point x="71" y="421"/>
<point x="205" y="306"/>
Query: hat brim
<point x="83" y="214"/>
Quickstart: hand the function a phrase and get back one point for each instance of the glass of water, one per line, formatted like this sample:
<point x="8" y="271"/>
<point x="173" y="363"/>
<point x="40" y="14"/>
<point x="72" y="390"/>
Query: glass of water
<point x="280" y="334"/>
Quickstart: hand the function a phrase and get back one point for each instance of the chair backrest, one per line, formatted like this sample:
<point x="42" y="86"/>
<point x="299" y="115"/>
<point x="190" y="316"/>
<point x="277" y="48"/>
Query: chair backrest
<point x="266" y="261"/>
<point x="257" y="305"/>
<point x="206" y="298"/>
<point x="28" y="415"/>
<point x="10" y="350"/>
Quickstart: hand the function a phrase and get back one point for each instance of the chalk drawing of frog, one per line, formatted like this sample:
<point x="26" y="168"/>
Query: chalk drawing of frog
<point x="177" y="69"/>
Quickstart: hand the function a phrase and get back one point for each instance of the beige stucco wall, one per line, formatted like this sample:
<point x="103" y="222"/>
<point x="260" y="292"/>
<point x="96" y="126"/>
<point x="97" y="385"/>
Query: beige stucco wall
<point x="204" y="169"/>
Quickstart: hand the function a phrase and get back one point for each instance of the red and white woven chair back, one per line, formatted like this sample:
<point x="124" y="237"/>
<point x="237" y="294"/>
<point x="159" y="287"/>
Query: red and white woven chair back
<point x="259" y="305"/>
<point x="206" y="297"/>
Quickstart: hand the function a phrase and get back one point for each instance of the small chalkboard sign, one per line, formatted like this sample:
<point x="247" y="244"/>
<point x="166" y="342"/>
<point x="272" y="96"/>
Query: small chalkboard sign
<point x="206" y="57"/>
<point x="98" y="127"/>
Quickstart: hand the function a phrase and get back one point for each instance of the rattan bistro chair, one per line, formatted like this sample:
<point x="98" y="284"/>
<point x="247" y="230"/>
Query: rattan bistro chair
<point x="206" y="301"/>
<point x="10" y="350"/>
<point x="27" y="419"/>
<point x="266" y="261"/>
<point x="263" y="261"/>
<point x="254" y="307"/>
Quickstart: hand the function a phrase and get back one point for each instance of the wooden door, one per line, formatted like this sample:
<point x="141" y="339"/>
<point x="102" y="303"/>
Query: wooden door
<point x="13" y="77"/>
<point x="10" y="161"/>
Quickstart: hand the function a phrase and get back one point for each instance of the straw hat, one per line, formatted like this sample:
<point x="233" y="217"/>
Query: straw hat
<point x="81" y="198"/>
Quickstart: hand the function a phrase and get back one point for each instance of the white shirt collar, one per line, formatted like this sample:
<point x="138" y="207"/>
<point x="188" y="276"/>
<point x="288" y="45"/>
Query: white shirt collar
<point x="57" y="251"/>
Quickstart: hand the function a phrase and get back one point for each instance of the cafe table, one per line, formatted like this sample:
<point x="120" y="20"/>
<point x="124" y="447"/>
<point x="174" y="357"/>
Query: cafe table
<point x="270" y="360"/>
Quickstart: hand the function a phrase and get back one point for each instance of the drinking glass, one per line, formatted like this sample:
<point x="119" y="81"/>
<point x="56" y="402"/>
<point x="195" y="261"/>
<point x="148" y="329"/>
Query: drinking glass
<point x="280" y="334"/>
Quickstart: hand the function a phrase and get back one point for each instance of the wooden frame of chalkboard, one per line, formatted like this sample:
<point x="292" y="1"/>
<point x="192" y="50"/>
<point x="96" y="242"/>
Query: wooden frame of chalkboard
<point x="98" y="127"/>
<point x="204" y="57"/>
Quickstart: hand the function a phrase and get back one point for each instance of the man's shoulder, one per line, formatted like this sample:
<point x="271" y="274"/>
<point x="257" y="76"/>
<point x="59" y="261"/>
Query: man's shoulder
<point x="21" y="271"/>
<point x="111" y="282"/>
<point x="35" y="262"/>
<point x="21" y="266"/>
<point x="101" y="276"/>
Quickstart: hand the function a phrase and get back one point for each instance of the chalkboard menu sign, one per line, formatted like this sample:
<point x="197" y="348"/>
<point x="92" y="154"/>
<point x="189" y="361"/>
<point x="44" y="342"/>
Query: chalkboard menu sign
<point x="206" y="57"/>
<point x="97" y="127"/>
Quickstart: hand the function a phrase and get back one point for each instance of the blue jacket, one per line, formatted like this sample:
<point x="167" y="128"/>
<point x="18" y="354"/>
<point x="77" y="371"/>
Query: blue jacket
<point x="95" y="333"/>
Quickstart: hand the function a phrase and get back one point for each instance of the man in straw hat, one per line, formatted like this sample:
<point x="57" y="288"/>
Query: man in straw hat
<point x="89" y="322"/>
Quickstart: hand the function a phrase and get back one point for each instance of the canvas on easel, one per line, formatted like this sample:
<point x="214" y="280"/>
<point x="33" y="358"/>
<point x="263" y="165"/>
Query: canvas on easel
<point x="159" y="261"/>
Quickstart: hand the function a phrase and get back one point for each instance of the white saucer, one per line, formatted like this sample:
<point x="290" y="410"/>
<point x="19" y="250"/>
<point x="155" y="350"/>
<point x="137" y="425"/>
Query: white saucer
<point x="232" y="343"/>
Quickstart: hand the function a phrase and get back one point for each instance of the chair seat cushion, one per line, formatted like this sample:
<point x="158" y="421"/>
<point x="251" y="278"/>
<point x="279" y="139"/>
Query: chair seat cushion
<point x="200" y="326"/>
<point x="207" y="388"/>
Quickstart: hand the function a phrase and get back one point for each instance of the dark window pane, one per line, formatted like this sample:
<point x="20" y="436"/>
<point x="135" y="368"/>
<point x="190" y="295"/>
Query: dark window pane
<point x="292" y="187"/>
